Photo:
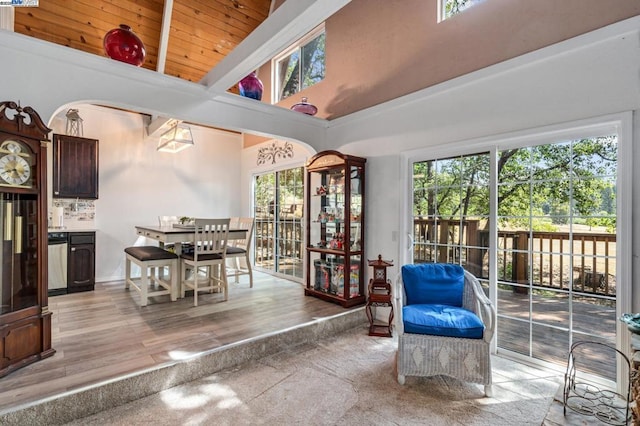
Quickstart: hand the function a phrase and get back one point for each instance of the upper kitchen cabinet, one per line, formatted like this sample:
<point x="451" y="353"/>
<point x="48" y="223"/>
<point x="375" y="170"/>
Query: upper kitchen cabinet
<point x="75" y="167"/>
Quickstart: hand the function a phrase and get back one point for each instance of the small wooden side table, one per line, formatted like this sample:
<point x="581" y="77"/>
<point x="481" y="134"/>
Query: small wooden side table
<point x="379" y="295"/>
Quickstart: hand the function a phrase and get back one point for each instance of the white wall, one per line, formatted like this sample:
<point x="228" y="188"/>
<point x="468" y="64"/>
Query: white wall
<point x="138" y="183"/>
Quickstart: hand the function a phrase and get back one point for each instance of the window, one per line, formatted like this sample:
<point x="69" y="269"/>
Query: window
<point x="300" y="66"/>
<point x="449" y="8"/>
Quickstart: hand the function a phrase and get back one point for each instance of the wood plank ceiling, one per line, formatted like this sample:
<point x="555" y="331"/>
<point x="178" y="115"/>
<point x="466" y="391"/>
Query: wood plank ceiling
<point x="202" y="32"/>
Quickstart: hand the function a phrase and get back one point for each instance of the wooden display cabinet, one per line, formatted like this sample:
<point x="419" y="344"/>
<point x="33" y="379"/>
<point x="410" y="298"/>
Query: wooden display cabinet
<point x="25" y="320"/>
<point x="335" y="235"/>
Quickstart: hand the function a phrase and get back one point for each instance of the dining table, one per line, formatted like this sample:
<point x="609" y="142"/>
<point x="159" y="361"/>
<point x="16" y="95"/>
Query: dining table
<point x="177" y="234"/>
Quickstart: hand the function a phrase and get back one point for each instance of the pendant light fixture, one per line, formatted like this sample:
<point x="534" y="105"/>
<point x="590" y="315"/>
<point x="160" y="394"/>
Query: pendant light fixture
<point x="177" y="138"/>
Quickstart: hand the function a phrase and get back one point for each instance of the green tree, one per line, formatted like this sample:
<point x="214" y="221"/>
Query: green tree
<point x="569" y="179"/>
<point x="452" y="7"/>
<point x="304" y="67"/>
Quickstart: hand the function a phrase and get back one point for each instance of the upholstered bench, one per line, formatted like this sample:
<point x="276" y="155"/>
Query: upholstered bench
<point x="152" y="260"/>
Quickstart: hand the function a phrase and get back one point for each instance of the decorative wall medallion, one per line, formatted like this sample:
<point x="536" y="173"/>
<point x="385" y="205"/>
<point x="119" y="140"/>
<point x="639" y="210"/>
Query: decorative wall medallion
<point x="274" y="151"/>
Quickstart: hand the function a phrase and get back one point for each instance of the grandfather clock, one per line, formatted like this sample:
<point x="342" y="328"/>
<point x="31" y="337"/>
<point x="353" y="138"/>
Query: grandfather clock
<point x="25" y="320"/>
<point x="379" y="295"/>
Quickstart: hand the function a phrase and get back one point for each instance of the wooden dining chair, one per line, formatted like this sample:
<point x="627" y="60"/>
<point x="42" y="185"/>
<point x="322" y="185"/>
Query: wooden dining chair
<point x="238" y="252"/>
<point x="204" y="267"/>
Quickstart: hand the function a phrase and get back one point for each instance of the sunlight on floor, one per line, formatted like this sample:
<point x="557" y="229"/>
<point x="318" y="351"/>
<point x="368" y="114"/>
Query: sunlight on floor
<point x="182" y="355"/>
<point x="212" y="394"/>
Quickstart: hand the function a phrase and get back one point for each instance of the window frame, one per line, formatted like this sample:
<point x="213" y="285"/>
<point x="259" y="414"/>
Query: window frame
<point x="297" y="46"/>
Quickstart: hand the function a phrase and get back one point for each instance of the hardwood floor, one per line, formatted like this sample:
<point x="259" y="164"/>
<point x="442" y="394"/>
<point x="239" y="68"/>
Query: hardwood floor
<point x="104" y="334"/>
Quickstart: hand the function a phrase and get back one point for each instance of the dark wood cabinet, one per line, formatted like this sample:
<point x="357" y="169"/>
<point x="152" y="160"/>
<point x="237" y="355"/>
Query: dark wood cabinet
<point x="335" y="200"/>
<point x="75" y="167"/>
<point x="25" y="319"/>
<point x="81" y="264"/>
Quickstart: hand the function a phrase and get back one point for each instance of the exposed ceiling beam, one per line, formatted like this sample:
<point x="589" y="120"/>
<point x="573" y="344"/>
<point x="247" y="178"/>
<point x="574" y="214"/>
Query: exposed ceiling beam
<point x="160" y="123"/>
<point x="165" y="29"/>
<point x="287" y="24"/>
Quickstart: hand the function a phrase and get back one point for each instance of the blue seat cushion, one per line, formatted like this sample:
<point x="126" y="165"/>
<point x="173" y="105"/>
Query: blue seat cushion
<point x="439" y="283"/>
<point x="442" y="320"/>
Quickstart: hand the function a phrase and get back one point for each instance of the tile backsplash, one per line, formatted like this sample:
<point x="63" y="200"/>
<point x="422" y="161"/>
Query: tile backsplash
<point x="78" y="213"/>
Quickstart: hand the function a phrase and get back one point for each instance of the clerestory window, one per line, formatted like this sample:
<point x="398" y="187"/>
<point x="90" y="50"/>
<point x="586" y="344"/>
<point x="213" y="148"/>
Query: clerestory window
<point x="300" y="66"/>
<point x="449" y="8"/>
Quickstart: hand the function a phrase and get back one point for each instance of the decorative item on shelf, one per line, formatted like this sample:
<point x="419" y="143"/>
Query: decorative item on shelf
<point x="123" y="45"/>
<point x="337" y="242"/>
<point x="74" y="123"/>
<point x="379" y="295"/>
<point x="321" y="190"/>
<point x="186" y="220"/>
<point x="251" y="87"/>
<point x="177" y="138"/>
<point x="274" y="151"/>
<point x="632" y="321"/>
<point x="305" y="107"/>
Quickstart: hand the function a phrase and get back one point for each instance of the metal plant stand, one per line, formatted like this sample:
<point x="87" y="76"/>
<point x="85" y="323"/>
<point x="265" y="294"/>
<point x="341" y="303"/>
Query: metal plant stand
<point x="607" y="406"/>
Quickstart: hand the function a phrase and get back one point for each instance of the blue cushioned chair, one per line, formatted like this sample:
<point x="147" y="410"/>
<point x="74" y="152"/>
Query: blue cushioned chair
<point x="445" y="324"/>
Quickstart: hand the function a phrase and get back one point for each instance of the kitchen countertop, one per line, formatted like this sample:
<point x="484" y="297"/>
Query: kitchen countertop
<point x="71" y="230"/>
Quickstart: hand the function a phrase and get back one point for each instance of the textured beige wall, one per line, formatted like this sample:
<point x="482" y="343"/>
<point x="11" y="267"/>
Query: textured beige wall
<point x="378" y="50"/>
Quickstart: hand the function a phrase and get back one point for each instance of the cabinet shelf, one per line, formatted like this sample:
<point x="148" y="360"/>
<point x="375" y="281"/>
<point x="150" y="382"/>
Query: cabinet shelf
<point x="336" y="252"/>
<point x="334" y="231"/>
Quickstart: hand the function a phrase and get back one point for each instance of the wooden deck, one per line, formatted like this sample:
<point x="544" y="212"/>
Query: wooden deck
<point x="550" y="341"/>
<point x="105" y="334"/>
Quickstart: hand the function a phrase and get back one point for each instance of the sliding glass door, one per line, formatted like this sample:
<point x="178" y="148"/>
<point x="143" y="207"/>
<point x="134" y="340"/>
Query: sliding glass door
<point x="551" y="210"/>
<point x="557" y="248"/>
<point x="278" y="206"/>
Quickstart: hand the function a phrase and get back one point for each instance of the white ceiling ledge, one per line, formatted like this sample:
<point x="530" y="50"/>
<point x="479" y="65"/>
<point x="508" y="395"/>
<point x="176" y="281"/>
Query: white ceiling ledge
<point x="287" y="24"/>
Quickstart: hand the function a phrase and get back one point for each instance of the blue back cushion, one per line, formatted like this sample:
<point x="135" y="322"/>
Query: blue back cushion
<point x="433" y="283"/>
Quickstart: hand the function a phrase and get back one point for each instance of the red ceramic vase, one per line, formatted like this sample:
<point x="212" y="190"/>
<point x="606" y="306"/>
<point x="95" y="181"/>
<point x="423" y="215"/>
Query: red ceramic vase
<point x="123" y="45"/>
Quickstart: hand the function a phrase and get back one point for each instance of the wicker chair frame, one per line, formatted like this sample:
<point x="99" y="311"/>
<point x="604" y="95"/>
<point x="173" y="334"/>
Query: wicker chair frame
<point x="468" y="360"/>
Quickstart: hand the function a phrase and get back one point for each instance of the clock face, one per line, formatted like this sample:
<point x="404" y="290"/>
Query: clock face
<point x="379" y="274"/>
<point x="15" y="166"/>
<point x="14" y="170"/>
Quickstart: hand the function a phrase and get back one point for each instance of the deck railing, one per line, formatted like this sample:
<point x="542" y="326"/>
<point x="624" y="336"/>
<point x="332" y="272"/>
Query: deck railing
<point x="557" y="260"/>
<point x="284" y="236"/>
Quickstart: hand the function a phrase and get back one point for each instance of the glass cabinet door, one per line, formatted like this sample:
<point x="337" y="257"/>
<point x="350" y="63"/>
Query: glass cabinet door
<point x="18" y="257"/>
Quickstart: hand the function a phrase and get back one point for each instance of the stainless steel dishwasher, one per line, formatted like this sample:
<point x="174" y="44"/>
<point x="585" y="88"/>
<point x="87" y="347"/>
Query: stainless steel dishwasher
<point x="58" y="243"/>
